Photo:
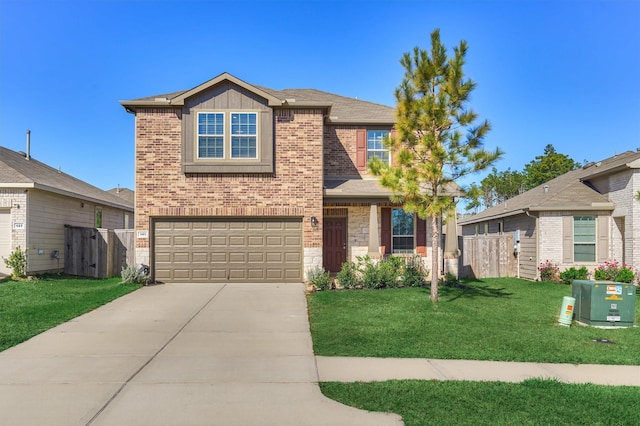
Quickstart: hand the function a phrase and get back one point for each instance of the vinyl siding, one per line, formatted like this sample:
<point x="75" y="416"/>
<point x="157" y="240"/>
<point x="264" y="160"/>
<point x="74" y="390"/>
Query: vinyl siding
<point x="47" y="215"/>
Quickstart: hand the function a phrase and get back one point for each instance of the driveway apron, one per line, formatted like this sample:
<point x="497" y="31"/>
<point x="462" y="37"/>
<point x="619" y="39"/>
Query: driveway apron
<point x="177" y="354"/>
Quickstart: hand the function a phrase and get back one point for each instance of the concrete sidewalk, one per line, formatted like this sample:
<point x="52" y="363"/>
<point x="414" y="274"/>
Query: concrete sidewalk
<point x="177" y="354"/>
<point x="342" y="369"/>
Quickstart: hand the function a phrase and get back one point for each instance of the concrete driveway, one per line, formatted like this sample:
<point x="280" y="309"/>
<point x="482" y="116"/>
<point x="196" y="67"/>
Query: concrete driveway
<point x="177" y="354"/>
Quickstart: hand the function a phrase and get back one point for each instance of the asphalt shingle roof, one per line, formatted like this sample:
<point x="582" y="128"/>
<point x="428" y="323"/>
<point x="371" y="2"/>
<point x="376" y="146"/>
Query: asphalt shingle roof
<point x="17" y="171"/>
<point x="570" y="191"/>
<point x="342" y="109"/>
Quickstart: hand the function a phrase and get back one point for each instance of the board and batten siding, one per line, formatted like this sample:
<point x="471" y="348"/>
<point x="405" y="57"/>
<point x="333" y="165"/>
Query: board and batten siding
<point x="47" y="215"/>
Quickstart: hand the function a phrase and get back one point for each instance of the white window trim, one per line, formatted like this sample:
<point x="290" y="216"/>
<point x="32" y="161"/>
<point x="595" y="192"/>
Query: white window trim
<point x="383" y="149"/>
<point x="226" y="147"/>
<point x="256" y="135"/>
<point x="594" y="243"/>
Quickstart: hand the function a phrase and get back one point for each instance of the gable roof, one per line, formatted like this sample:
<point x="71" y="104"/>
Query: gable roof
<point x="570" y="191"/>
<point x="124" y="193"/>
<point x="16" y="171"/>
<point x="342" y="110"/>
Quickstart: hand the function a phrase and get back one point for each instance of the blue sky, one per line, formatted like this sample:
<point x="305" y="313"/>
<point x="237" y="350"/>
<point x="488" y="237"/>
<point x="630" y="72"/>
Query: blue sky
<point x="561" y="72"/>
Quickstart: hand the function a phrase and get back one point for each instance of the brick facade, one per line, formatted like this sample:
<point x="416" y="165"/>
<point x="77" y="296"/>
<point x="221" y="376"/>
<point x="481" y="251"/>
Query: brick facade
<point x="294" y="190"/>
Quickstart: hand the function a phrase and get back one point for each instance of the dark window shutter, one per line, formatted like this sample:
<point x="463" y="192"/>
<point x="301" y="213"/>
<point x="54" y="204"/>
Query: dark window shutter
<point x="361" y="149"/>
<point x="421" y="236"/>
<point x="385" y="228"/>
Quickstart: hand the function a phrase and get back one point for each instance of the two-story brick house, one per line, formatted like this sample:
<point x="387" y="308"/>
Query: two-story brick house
<point x="237" y="182"/>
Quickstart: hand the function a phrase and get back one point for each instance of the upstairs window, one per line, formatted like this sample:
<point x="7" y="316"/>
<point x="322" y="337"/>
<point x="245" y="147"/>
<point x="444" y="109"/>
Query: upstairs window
<point x="227" y="136"/>
<point x="584" y="239"/>
<point x="210" y="135"/>
<point x="244" y="135"/>
<point x="402" y="231"/>
<point x="375" y="145"/>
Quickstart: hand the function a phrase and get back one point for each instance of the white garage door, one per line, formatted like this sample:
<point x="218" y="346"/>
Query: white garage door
<point x="5" y="239"/>
<point x="228" y="250"/>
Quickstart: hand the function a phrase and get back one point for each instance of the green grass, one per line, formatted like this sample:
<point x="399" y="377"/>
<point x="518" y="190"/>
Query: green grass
<point x="496" y="319"/>
<point x="532" y="402"/>
<point x="28" y="308"/>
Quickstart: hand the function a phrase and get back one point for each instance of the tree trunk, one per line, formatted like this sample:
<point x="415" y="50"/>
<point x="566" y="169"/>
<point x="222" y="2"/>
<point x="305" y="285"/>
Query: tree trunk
<point x="435" y="267"/>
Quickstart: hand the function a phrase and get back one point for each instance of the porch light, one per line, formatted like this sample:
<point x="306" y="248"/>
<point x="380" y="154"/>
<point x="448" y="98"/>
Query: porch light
<point x="314" y="221"/>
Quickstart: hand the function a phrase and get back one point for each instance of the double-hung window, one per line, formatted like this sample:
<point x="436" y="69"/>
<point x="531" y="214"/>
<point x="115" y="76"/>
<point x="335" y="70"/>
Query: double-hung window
<point x="402" y="231"/>
<point x="210" y="135"/>
<point x="227" y="135"/>
<point x="584" y="239"/>
<point x="244" y="135"/>
<point x="375" y="145"/>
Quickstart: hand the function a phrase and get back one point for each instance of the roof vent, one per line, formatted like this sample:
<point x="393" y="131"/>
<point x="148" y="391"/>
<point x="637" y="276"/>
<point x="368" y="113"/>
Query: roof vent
<point x="589" y="164"/>
<point x="545" y="188"/>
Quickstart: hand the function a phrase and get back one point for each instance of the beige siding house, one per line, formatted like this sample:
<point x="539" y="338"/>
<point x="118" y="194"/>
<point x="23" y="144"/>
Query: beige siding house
<point x="238" y="182"/>
<point x="582" y="218"/>
<point x="37" y="201"/>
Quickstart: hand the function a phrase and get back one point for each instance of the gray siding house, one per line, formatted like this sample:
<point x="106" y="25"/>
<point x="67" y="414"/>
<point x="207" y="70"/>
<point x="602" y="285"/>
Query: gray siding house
<point x="582" y="218"/>
<point x="37" y="201"/>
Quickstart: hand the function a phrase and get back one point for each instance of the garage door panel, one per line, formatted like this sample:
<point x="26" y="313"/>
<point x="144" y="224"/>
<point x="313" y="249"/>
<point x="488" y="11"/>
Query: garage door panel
<point x="218" y="257"/>
<point x="236" y="257"/>
<point x="228" y="250"/>
<point x="238" y="241"/>
<point x="220" y="241"/>
<point x="200" y="257"/>
<point x="293" y="240"/>
<point x="218" y="274"/>
<point x="274" y="241"/>
<point x="200" y="240"/>
<point x="256" y="257"/>
<point x="255" y="240"/>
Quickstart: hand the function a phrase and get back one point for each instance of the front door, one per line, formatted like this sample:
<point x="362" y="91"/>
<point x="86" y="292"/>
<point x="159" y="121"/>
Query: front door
<point x="334" y="243"/>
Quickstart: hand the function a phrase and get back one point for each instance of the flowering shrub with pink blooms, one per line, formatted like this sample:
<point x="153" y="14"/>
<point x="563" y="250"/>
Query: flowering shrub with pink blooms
<point x="548" y="271"/>
<point x="612" y="270"/>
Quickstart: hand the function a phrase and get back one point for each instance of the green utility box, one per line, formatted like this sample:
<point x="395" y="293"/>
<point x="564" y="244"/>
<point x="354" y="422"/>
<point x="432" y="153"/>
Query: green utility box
<point x="604" y="303"/>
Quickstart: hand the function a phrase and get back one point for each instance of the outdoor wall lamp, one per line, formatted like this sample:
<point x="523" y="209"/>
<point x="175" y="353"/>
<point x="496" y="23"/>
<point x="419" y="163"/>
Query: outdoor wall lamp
<point x="314" y="221"/>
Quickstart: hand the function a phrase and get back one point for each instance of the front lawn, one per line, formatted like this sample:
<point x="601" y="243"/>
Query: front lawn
<point x="28" y="308"/>
<point x="532" y="402"/>
<point x="505" y="319"/>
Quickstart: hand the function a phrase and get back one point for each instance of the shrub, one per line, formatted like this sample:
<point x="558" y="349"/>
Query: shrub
<point x="389" y="271"/>
<point x="369" y="271"/>
<point x="17" y="262"/>
<point x="133" y="274"/>
<point x="449" y="280"/>
<point x="548" y="271"/>
<point x="320" y="278"/>
<point x="568" y="275"/>
<point x="382" y="274"/>
<point x="414" y="272"/>
<point x="348" y="275"/>
<point x="614" y="271"/>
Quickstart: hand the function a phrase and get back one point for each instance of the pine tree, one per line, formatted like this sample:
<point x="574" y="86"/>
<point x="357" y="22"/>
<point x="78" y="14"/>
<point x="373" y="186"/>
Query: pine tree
<point x="436" y="141"/>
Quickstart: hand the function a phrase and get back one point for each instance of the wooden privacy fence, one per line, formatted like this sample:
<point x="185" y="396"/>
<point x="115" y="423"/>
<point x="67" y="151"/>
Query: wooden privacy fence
<point x="97" y="253"/>
<point x="487" y="256"/>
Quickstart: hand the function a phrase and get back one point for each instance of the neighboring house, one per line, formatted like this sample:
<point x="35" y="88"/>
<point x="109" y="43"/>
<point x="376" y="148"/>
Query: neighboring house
<point x="37" y="201"/>
<point x="125" y="193"/>
<point x="237" y="182"/>
<point x="582" y="218"/>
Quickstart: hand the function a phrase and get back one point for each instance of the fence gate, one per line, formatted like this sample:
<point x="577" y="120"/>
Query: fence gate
<point x="487" y="256"/>
<point x="84" y="250"/>
<point x="97" y="253"/>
